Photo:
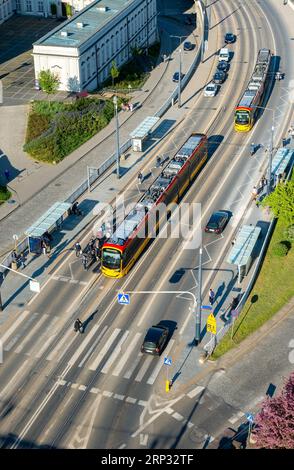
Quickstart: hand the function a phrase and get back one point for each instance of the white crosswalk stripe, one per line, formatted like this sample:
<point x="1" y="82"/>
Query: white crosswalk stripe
<point x="31" y="333"/>
<point x="115" y="353"/>
<point x="133" y="366"/>
<point x="83" y="345"/>
<point x="144" y="369"/>
<point x="104" y="350"/>
<point x="126" y="355"/>
<point x="17" y="322"/>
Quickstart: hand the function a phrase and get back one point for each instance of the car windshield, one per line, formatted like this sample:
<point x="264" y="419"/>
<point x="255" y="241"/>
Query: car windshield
<point x="242" y="117"/>
<point x="210" y="88"/>
<point x="111" y="258"/>
<point x="150" y="345"/>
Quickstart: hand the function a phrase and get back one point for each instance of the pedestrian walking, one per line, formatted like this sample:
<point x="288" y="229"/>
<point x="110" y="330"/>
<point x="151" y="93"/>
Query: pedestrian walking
<point x="284" y="141"/>
<point x="78" y="249"/>
<point x="211" y="296"/>
<point x="140" y="177"/>
<point x="7" y="175"/>
<point x="158" y="162"/>
<point x="131" y="107"/>
<point x="254" y="193"/>
<point x="22" y="260"/>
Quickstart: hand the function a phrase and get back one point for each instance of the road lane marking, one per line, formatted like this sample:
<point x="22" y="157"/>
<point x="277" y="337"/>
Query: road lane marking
<point x="83" y="345"/>
<point x="31" y="333"/>
<point x="93" y="346"/>
<point x="94" y="390"/>
<point x="115" y="353"/>
<point x="177" y="416"/>
<point x="42" y="345"/>
<point x="82" y="387"/>
<point x="119" y="397"/>
<point x="131" y="400"/>
<point x="19" y="320"/>
<point x="124" y="359"/>
<point x="133" y="366"/>
<point x="104" y="350"/>
<point x="195" y="391"/>
<point x="66" y="339"/>
<point x="13" y="381"/>
<point x="144" y="369"/>
<point x="155" y="373"/>
<point x="106" y="393"/>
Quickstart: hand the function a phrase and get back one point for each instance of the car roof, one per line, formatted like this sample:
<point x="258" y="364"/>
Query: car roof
<point x="154" y="333"/>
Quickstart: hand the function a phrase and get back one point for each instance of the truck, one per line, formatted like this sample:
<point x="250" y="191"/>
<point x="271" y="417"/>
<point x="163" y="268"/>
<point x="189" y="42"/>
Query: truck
<point x="224" y="54"/>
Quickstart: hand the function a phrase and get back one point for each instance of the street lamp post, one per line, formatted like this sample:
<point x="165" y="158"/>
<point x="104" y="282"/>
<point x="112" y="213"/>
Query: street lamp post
<point x="180" y="68"/>
<point x="180" y="73"/>
<point x="117" y="138"/>
<point x="271" y="149"/>
<point x="199" y="300"/>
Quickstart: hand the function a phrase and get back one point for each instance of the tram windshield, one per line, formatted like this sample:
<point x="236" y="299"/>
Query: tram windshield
<point x="242" y="117"/>
<point x="111" y="258"/>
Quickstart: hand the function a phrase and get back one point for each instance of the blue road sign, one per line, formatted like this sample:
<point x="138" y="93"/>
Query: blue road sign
<point x="123" y="299"/>
<point x="168" y="361"/>
<point x="206" y="307"/>
<point x="249" y="417"/>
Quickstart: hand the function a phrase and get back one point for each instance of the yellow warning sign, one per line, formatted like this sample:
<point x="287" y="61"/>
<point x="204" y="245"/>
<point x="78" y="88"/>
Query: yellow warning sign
<point x="211" y="324"/>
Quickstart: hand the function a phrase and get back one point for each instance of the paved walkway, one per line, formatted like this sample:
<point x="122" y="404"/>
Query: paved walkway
<point x="58" y="182"/>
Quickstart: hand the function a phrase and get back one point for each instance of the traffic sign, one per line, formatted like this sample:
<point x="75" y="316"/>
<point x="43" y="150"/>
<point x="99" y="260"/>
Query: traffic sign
<point x="123" y="299"/>
<point x="168" y="361"/>
<point x="206" y="307"/>
<point x="249" y="417"/>
<point x="35" y="286"/>
<point x="211" y="324"/>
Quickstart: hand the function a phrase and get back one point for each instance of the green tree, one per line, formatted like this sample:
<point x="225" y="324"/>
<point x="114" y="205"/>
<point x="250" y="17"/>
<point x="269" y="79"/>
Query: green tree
<point x="281" y="202"/>
<point x="114" y="71"/>
<point x="49" y="82"/>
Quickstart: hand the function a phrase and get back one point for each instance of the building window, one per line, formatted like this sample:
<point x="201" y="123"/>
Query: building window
<point x="29" y="5"/>
<point x="18" y="6"/>
<point x="88" y="68"/>
<point x="40" y="7"/>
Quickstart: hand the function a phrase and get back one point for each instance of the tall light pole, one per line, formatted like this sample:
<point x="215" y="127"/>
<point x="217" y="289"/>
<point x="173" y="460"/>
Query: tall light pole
<point x="117" y="138"/>
<point x="271" y="149"/>
<point x="199" y="301"/>
<point x="180" y="68"/>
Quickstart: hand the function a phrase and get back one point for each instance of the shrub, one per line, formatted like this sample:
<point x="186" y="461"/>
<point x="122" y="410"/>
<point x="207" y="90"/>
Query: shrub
<point x="281" y="248"/>
<point x="37" y="124"/>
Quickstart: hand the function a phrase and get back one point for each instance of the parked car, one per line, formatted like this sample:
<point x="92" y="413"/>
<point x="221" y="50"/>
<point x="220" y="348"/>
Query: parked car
<point x="223" y="66"/>
<point x="188" y="46"/>
<point x="219" y="77"/>
<point x="176" y="76"/>
<point x="217" y="222"/>
<point x="230" y="38"/>
<point x="210" y="89"/>
<point x="155" y="340"/>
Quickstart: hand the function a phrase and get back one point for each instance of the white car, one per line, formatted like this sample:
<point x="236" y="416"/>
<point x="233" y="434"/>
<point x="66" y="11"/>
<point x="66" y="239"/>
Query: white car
<point x="211" y="89"/>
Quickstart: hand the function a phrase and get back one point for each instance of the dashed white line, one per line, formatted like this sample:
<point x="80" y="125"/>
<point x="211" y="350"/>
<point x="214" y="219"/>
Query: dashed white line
<point x="195" y="392"/>
<point x="131" y="400"/>
<point x="105" y="393"/>
<point x="178" y="417"/>
<point x="119" y="397"/>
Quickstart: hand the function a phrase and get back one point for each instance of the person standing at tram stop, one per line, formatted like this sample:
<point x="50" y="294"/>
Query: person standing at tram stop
<point x="140" y="177"/>
<point x="211" y="296"/>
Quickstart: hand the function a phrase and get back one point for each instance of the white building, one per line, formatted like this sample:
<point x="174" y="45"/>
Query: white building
<point x="7" y="8"/>
<point x="81" y="49"/>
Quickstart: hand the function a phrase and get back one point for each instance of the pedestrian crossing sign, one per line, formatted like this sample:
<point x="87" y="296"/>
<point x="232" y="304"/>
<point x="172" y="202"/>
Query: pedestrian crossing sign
<point x="123" y="299"/>
<point x="211" y="324"/>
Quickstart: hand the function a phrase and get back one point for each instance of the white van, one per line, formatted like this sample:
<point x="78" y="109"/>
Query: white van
<point x="224" y="54"/>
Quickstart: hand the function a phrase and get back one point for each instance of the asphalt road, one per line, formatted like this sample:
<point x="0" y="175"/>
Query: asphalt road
<point x="97" y="390"/>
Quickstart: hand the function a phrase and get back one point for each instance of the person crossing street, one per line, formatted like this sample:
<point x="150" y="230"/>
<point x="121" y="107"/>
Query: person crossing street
<point x="78" y="249"/>
<point x="211" y="296"/>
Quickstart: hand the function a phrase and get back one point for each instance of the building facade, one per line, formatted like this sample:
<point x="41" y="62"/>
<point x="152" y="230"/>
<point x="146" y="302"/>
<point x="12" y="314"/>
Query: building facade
<point x="81" y="50"/>
<point x="7" y="9"/>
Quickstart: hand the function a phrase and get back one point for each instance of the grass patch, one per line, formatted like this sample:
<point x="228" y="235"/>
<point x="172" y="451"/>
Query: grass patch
<point x="4" y="194"/>
<point x="273" y="288"/>
<point x="56" y="129"/>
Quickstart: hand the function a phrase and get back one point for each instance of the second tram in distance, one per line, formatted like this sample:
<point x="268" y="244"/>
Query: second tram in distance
<point x="247" y="109"/>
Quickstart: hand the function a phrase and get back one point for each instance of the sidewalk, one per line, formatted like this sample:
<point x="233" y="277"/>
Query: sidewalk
<point x="57" y="182"/>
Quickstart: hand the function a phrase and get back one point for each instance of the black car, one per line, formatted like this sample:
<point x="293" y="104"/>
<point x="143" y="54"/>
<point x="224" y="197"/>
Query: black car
<point x="217" y="222"/>
<point x="155" y="340"/>
<point x="230" y="38"/>
<point x="219" y="77"/>
<point x="188" y="46"/>
<point x="176" y="76"/>
<point x="223" y="66"/>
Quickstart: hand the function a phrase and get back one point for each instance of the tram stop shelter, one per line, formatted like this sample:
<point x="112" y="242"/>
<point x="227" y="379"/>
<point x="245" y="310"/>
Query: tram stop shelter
<point x="242" y="252"/>
<point x="142" y="131"/>
<point x="281" y="160"/>
<point x="48" y="222"/>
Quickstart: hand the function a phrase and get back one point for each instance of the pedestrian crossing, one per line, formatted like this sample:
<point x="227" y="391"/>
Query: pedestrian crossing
<point x="103" y="348"/>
